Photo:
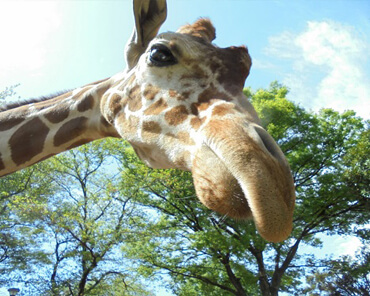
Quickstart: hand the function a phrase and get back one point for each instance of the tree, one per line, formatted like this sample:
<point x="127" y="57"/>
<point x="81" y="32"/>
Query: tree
<point x="341" y="277"/>
<point x="80" y="224"/>
<point x="18" y="239"/>
<point x="8" y="93"/>
<point x="110" y="219"/>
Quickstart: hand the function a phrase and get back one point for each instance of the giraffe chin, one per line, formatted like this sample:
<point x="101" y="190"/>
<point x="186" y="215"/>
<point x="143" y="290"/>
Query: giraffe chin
<point x="219" y="191"/>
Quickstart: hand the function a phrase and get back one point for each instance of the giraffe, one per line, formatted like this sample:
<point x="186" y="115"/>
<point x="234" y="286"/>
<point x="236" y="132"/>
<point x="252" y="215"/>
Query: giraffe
<point x="180" y="104"/>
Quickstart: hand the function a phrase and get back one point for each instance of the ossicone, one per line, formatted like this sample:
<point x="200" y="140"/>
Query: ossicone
<point x="202" y="28"/>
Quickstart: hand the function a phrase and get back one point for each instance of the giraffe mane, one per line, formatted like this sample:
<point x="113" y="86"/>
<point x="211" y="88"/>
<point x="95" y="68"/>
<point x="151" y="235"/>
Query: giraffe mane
<point x="23" y="102"/>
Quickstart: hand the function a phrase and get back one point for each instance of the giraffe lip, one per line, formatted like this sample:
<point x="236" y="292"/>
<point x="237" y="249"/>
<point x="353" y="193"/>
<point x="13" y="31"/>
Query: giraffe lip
<point x="219" y="190"/>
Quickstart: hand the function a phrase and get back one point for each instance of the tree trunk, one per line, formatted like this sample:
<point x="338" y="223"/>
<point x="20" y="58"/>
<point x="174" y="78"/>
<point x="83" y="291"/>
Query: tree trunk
<point x="85" y="272"/>
<point x="279" y="271"/>
<point x="225" y="260"/>
<point x="263" y="279"/>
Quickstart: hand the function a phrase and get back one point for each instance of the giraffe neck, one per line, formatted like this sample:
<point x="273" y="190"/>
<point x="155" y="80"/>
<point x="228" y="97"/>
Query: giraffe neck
<point x="36" y="131"/>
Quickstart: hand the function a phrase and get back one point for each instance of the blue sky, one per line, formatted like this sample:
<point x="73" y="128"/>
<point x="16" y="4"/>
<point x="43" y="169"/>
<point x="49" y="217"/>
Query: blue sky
<point x="319" y="49"/>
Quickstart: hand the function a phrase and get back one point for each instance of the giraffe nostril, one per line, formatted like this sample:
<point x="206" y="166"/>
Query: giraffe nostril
<point x="270" y="144"/>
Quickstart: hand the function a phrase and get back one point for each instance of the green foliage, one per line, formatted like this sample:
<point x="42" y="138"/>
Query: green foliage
<point x="18" y="237"/>
<point x="344" y="276"/>
<point x="277" y="114"/>
<point x="205" y="254"/>
<point x="8" y="93"/>
<point x="75" y="222"/>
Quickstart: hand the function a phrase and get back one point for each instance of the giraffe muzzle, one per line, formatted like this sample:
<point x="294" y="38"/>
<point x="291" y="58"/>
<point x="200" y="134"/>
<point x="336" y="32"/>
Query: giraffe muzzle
<point x="242" y="173"/>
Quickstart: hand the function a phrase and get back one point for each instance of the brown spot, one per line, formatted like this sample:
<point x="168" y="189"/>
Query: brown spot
<point x="194" y="109"/>
<point x="86" y="103"/>
<point x="8" y="122"/>
<point x="2" y="166"/>
<point x="196" y="122"/>
<point x="134" y="92"/>
<point x="212" y="93"/>
<point x="214" y="65"/>
<point x="150" y="129"/>
<point x="222" y="110"/>
<point x="185" y="138"/>
<point x="185" y="95"/>
<point x="134" y="102"/>
<point x="57" y="114"/>
<point x="70" y="130"/>
<point x="176" y="115"/>
<point x="115" y="104"/>
<point x="28" y="141"/>
<point x="135" y="105"/>
<point x="156" y="108"/>
<point x="150" y="92"/>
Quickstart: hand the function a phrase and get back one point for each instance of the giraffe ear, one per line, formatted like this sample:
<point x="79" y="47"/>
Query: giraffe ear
<point x="149" y="16"/>
<point x="202" y="28"/>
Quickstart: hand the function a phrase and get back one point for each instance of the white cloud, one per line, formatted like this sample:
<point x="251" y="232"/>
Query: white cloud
<point x="262" y="64"/>
<point x="328" y="66"/>
<point x="25" y="27"/>
<point x="348" y="245"/>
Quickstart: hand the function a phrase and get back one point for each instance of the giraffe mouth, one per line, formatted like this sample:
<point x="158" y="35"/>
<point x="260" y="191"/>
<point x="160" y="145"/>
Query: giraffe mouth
<point x="246" y="176"/>
<point x="218" y="190"/>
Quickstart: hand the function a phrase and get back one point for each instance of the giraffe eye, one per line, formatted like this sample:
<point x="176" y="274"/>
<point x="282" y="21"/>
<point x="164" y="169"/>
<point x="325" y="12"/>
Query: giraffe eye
<point x="161" y="56"/>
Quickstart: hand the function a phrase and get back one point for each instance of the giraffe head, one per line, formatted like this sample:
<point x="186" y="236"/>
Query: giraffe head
<point x="180" y="104"/>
